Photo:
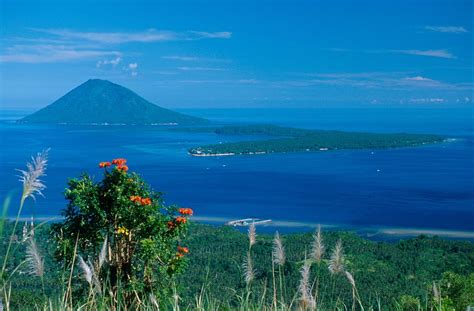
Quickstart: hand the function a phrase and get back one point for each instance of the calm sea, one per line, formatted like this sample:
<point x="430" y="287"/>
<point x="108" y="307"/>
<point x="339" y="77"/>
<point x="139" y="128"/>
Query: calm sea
<point x="428" y="187"/>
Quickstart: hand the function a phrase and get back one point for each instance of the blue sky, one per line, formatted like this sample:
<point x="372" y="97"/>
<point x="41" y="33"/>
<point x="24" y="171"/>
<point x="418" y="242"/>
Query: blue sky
<point x="182" y="54"/>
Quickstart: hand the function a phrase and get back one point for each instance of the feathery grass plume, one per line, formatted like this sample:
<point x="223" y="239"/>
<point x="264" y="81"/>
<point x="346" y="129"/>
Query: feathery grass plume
<point x="249" y="271"/>
<point x="278" y="250"/>
<point x="176" y="299"/>
<point x="355" y="294"/>
<point x="252" y="233"/>
<point x="154" y="301"/>
<point x="307" y="300"/>
<point x="317" y="251"/>
<point x="436" y="294"/>
<point x="336" y="263"/>
<point x="86" y="269"/>
<point x="34" y="259"/>
<point x="350" y="278"/>
<point x="32" y="184"/>
<point x="103" y="253"/>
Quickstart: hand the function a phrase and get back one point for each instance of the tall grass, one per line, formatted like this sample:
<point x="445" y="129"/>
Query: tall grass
<point x="32" y="186"/>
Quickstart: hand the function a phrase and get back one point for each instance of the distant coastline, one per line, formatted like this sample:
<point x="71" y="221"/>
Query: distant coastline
<point x="369" y="232"/>
<point x="286" y="139"/>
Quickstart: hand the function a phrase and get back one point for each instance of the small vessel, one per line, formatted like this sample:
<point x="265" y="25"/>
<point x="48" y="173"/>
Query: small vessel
<point x="247" y="222"/>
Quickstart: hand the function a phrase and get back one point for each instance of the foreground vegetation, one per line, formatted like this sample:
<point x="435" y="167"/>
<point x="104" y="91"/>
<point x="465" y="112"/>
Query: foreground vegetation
<point x="303" y="140"/>
<point x="388" y="276"/>
<point x="120" y="248"/>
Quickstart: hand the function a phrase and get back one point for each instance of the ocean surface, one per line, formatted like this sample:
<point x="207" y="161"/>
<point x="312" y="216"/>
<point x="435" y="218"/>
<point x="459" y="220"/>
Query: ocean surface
<point x="422" y="189"/>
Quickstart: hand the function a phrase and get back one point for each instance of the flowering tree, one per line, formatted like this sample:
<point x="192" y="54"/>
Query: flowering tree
<point x="121" y="227"/>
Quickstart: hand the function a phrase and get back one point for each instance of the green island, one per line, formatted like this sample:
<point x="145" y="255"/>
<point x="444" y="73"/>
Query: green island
<point x="286" y="139"/>
<point x="101" y="102"/>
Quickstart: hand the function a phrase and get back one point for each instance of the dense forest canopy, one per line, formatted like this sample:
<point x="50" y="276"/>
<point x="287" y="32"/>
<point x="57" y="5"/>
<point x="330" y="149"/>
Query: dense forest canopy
<point x="287" y="139"/>
<point x="384" y="271"/>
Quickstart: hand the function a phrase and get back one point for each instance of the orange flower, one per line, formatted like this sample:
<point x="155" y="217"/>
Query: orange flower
<point x="171" y="225"/>
<point x="104" y="164"/>
<point x="119" y="161"/>
<point x="122" y="167"/>
<point x="135" y="198"/>
<point x="145" y="201"/>
<point x="183" y="250"/>
<point x="179" y="255"/>
<point x="181" y="220"/>
<point x="186" y="211"/>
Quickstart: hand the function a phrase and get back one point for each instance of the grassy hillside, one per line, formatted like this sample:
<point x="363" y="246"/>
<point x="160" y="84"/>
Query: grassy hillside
<point x="389" y="274"/>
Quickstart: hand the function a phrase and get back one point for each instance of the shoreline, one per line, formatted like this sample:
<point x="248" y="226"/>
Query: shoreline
<point x="225" y="154"/>
<point x="292" y="226"/>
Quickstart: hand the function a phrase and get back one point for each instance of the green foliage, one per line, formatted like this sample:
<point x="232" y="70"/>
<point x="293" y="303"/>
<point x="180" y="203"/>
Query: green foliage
<point x="101" y="101"/>
<point x="141" y="233"/>
<point x="302" y="140"/>
<point x="457" y="291"/>
<point x="383" y="272"/>
<point x="409" y="303"/>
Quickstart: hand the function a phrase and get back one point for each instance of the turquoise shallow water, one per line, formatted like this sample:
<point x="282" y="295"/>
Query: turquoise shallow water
<point x="425" y="187"/>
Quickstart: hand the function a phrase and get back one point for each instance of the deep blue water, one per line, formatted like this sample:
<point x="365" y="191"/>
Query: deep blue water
<point x="423" y="187"/>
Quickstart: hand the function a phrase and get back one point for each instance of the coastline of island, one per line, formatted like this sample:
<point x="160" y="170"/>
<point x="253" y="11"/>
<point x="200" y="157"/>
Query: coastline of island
<point x="286" y="139"/>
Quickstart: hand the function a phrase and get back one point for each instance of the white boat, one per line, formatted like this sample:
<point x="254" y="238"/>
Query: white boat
<point x="247" y="222"/>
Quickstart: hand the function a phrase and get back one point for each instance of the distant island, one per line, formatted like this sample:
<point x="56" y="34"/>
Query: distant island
<point x="287" y="139"/>
<point x="103" y="102"/>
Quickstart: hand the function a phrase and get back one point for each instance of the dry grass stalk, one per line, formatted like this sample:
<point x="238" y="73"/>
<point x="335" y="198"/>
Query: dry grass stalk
<point x="249" y="271"/>
<point x="336" y="263"/>
<point x="278" y="250"/>
<point x="306" y="299"/>
<point x="86" y="270"/>
<point x="317" y="252"/>
<point x="34" y="260"/>
<point x="350" y="278"/>
<point x="252" y="234"/>
<point x="103" y="253"/>
<point x="32" y="184"/>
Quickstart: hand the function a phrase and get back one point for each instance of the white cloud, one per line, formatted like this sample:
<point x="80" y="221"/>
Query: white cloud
<point x="181" y="58"/>
<point x="417" y="78"/>
<point x="195" y="59"/>
<point x="212" y="35"/>
<point x="132" y="68"/>
<point x="200" y="69"/>
<point x="164" y="72"/>
<point x="446" y="29"/>
<point x="113" y="62"/>
<point x="248" y="81"/>
<point x="431" y="53"/>
<point x="377" y="80"/>
<point x="151" y="35"/>
<point x="43" y="53"/>
<point x="427" y="100"/>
